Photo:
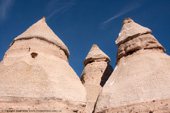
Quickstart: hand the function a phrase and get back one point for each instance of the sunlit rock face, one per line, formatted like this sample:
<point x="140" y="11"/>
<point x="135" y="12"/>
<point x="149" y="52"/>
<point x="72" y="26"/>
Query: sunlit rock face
<point x="140" y="80"/>
<point x="96" y="72"/>
<point x="134" y="37"/>
<point x="35" y="74"/>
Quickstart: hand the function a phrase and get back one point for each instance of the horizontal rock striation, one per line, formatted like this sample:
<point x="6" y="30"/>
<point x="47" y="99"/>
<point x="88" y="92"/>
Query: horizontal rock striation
<point x="138" y="42"/>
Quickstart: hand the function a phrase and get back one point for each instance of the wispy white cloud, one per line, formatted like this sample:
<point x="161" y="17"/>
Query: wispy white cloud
<point x="126" y="9"/>
<point x="56" y="6"/>
<point x="5" y="6"/>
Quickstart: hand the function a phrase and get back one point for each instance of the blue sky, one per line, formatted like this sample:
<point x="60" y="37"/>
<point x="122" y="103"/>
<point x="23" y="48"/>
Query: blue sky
<point x="81" y="23"/>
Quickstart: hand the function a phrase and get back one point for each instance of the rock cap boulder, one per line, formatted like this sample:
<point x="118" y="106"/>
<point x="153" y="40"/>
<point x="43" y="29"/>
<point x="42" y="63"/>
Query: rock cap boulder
<point x="42" y="31"/>
<point x="94" y="54"/>
<point x="134" y="37"/>
<point x="130" y="29"/>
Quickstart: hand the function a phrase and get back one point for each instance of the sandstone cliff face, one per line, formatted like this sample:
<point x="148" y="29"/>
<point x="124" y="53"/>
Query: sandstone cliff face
<point x="96" y="72"/>
<point x="140" y="80"/>
<point x="35" y="74"/>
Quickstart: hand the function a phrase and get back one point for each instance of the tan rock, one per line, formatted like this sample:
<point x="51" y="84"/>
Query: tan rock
<point x="35" y="74"/>
<point x="130" y="29"/>
<point x="42" y="31"/>
<point x="96" y="54"/>
<point x="145" y="41"/>
<point x="158" y="106"/>
<point x="96" y="72"/>
<point x="140" y="80"/>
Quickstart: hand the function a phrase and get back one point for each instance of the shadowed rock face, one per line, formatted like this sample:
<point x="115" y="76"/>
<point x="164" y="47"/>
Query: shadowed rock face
<point x="96" y="72"/>
<point x="140" y="80"/>
<point x="35" y="74"/>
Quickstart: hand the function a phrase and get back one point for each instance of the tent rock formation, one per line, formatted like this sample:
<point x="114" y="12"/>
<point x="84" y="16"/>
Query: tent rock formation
<point x="35" y="74"/>
<point x="96" y="72"/>
<point x="140" y="81"/>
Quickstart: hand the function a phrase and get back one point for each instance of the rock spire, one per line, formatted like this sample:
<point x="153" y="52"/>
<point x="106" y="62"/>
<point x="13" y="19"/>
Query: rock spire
<point x="96" y="54"/>
<point x="96" y="72"/>
<point x="35" y="74"/>
<point x="140" y="80"/>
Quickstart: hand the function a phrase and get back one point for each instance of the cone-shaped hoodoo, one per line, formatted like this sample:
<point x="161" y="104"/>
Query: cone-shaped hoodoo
<point x="35" y="74"/>
<point x="140" y="80"/>
<point x="96" y="72"/>
<point x="96" y="54"/>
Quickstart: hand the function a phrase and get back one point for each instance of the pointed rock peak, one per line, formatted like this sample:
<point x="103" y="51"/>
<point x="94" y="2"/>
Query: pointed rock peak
<point x="131" y="29"/>
<point x="134" y="37"/>
<point x="96" y="54"/>
<point x="94" y="46"/>
<point x="127" y="20"/>
<point x="42" y="31"/>
<point x="43" y="19"/>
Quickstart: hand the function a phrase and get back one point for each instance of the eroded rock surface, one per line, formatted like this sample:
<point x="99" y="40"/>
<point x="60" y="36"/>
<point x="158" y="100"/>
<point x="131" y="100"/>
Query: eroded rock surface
<point x="134" y="37"/>
<point x="35" y="74"/>
<point x="158" y="106"/>
<point x="96" y="72"/>
<point x="140" y="80"/>
<point x="130" y="29"/>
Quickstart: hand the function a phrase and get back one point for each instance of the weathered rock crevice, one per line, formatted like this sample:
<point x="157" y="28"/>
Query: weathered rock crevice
<point x="34" y="54"/>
